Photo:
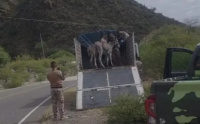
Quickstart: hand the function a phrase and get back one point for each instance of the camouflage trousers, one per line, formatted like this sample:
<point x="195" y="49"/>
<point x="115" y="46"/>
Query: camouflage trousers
<point x="57" y="99"/>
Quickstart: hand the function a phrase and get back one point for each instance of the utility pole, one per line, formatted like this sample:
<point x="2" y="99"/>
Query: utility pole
<point x="42" y="46"/>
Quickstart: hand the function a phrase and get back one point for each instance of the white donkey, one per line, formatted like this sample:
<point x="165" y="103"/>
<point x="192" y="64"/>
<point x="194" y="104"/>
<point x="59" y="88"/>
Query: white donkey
<point x="96" y="50"/>
<point x="100" y="48"/>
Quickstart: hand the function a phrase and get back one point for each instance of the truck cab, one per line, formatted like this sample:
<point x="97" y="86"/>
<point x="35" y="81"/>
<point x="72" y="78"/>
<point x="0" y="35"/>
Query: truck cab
<point x="176" y="98"/>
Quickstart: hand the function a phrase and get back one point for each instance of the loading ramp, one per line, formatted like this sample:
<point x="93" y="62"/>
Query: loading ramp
<point x="97" y="88"/>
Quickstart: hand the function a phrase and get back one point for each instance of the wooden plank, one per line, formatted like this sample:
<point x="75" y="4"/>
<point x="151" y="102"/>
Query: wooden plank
<point x="78" y="54"/>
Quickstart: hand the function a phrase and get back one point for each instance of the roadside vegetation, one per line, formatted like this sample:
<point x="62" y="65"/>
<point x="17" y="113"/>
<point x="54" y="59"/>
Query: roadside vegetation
<point x="25" y="69"/>
<point x="128" y="109"/>
<point x="153" y="47"/>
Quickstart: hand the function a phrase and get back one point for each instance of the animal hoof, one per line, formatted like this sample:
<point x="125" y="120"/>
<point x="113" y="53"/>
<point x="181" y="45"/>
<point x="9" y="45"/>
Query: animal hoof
<point x="102" y="66"/>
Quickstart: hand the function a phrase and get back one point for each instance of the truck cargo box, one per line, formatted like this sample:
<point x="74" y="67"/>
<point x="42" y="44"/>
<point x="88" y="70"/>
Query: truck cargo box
<point x="128" y="56"/>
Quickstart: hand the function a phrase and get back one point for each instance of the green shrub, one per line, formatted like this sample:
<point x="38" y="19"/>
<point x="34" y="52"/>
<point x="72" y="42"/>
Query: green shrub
<point x="69" y="69"/>
<point x="19" y="71"/>
<point x="35" y="66"/>
<point x="23" y="57"/>
<point x="25" y="76"/>
<point x="62" y="60"/>
<point x="19" y="66"/>
<point x="4" y="57"/>
<point x="29" y="65"/>
<point x="12" y="79"/>
<point x="41" y="77"/>
<point x="45" y="62"/>
<point x="60" y="54"/>
<point x="127" y="110"/>
<point x="16" y="80"/>
<point x="5" y="74"/>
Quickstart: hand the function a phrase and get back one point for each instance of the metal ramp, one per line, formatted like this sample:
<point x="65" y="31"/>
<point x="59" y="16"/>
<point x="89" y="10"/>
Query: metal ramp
<point x="97" y="88"/>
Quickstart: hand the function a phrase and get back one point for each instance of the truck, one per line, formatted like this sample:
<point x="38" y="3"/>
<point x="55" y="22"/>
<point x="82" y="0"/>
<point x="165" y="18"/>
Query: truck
<point x="176" y="98"/>
<point x="100" y="87"/>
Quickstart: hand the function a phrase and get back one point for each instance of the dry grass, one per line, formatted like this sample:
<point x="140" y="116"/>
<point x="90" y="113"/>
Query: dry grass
<point x="70" y="103"/>
<point x="70" y="98"/>
<point x="147" y="86"/>
<point x="45" y="119"/>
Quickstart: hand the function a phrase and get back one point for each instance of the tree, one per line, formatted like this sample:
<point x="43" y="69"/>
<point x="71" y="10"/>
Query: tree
<point x="153" y="9"/>
<point x="191" y="24"/>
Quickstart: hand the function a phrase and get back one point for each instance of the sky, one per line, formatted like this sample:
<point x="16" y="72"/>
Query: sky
<point x="177" y="9"/>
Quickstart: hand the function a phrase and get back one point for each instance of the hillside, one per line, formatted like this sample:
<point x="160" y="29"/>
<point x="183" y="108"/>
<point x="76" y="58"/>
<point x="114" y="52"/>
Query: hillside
<point x="153" y="48"/>
<point x="72" y="17"/>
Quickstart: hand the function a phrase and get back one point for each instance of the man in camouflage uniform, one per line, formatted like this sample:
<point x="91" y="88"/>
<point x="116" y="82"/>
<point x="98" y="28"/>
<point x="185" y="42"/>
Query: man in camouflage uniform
<point x="56" y="78"/>
<point x="116" y="56"/>
<point x="122" y="36"/>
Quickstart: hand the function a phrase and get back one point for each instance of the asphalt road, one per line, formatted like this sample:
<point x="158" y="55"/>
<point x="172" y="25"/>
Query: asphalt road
<point x="26" y="105"/>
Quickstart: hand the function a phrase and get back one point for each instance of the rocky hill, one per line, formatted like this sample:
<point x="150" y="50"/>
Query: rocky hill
<point x="65" y="19"/>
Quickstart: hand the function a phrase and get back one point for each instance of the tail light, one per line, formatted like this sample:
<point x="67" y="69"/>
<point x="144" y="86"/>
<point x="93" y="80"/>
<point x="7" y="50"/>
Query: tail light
<point x="150" y="103"/>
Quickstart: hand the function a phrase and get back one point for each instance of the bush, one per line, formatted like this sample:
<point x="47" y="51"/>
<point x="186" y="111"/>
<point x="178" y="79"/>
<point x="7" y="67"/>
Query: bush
<point x="17" y="66"/>
<point x="41" y="77"/>
<point x="5" y="74"/>
<point x="62" y="60"/>
<point x="4" y="57"/>
<point x="23" y="57"/>
<point x="45" y="62"/>
<point x="60" y="54"/>
<point x="69" y="69"/>
<point x="19" y="71"/>
<point x="127" y="110"/>
<point x="15" y="80"/>
<point x="35" y="66"/>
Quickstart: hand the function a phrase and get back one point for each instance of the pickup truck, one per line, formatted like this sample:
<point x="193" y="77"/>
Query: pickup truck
<point x="176" y="98"/>
<point x="100" y="87"/>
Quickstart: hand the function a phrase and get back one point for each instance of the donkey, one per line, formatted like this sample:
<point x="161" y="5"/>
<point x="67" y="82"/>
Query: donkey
<point x="115" y="53"/>
<point x="100" y="48"/>
<point x="92" y="53"/>
<point x="105" y="48"/>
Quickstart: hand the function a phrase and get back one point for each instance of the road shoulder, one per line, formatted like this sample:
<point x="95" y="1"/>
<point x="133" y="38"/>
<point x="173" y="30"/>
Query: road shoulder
<point x="93" y="116"/>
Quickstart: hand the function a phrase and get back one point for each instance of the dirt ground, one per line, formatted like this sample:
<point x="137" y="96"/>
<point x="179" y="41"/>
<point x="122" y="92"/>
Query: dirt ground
<point x="93" y="116"/>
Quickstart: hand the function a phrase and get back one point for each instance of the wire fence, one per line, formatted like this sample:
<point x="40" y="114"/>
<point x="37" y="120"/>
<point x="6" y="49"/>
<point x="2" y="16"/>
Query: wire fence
<point x="64" y="22"/>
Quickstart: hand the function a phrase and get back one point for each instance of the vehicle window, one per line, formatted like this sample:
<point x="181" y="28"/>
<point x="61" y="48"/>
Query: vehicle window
<point x="180" y="61"/>
<point x="197" y="66"/>
<point x="197" y="63"/>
